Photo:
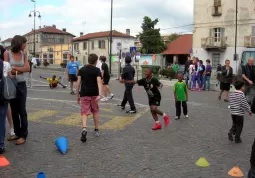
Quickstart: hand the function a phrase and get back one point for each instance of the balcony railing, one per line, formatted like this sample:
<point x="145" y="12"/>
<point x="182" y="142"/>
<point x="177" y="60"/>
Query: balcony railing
<point x="213" y="43"/>
<point x="249" y="41"/>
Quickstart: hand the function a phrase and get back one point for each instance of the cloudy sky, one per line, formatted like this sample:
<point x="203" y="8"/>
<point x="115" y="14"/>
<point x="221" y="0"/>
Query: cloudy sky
<point x="94" y="15"/>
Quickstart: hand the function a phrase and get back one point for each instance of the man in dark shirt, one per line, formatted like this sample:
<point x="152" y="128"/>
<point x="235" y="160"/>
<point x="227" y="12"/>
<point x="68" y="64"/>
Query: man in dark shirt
<point x="248" y="74"/>
<point x="106" y="79"/>
<point x="128" y="75"/>
<point x="90" y="80"/>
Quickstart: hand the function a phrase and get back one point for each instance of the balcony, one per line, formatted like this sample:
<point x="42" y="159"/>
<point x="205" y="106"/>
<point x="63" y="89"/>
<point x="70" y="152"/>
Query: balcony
<point x="214" y="43"/>
<point x="216" y="11"/>
<point x="249" y="41"/>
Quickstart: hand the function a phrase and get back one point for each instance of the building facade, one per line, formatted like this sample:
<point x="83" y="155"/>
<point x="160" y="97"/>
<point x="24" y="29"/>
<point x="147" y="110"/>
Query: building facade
<point x="214" y="31"/>
<point x="48" y="42"/>
<point x="99" y="44"/>
<point x="6" y="43"/>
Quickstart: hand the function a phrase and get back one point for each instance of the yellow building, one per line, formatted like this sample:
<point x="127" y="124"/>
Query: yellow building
<point x="56" y="54"/>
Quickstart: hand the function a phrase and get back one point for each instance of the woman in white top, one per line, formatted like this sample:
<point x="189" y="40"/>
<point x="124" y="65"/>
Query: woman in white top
<point x="5" y="66"/>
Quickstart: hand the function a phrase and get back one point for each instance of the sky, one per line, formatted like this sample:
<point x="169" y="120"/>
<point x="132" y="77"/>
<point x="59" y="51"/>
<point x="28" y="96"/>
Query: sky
<point x="89" y="16"/>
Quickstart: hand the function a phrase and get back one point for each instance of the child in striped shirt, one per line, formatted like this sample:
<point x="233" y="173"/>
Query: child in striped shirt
<point x="238" y="105"/>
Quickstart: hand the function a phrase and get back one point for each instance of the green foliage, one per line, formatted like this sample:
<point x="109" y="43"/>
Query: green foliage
<point x="173" y="37"/>
<point x="150" y="37"/>
<point x="169" y="73"/>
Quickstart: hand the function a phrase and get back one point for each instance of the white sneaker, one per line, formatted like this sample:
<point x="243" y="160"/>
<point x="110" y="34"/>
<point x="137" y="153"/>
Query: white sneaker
<point x="111" y="96"/>
<point x="12" y="132"/>
<point x="104" y="99"/>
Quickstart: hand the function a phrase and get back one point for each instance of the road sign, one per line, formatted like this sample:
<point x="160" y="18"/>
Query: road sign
<point x="119" y="45"/>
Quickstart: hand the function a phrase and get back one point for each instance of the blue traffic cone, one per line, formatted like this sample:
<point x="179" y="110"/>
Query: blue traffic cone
<point x="62" y="144"/>
<point x="41" y="175"/>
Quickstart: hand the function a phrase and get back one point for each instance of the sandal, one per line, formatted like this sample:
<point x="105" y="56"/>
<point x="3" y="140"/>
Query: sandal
<point x="20" y="141"/>
<point x="12" y="138"/>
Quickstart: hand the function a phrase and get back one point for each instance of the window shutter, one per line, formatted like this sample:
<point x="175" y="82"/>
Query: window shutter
<point x="253" y="30"/>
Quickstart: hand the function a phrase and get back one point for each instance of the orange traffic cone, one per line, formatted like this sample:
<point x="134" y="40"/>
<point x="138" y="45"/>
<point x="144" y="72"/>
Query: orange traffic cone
<point x="3" y="161"/>
<point x="235" y="172"/>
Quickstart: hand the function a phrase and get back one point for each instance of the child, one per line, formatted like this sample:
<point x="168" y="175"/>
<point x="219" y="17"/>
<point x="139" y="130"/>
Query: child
<point x="90" y="86"/>
<point x="181" y="97"/>
<point x="238" y="105"/>
<point x="72" y="70"/>
<point x="151" y="86"/>
<point x="192" y="69"/>
<point x="106" y="79"/>
<point x="53" y="82"/>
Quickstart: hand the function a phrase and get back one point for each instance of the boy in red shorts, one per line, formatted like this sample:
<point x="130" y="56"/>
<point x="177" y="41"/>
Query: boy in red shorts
<point x="90" y="86"/>
<point x="151" y="86"/>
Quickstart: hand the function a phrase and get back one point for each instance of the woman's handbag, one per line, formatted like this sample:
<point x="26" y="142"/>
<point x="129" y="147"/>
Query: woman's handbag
<point x="10" y="88"/>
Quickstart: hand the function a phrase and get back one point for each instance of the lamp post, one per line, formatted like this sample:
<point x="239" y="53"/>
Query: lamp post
<point x="110" y="53"/>
<point x="39" y="16"/>
<point x="235" y="55"/>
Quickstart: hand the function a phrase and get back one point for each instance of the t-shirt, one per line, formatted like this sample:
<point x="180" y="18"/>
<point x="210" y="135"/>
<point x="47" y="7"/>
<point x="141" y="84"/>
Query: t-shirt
<point x="2" y="50"/>
<point x="180" y="89"/>
<point x="191" y="68"/>
<point x="51" y="81"/>
<point x="73" y="66"/>
<point x="99" y="64"/>
<point x="151" y="87"/>
<point x="89" y="76"/>
<point x="201" y="69"/>
<point x="104" y="67"/>
<point x="208" y="70"/>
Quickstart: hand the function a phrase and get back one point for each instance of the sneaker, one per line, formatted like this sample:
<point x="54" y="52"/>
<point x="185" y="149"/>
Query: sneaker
<point x="72" y="93"/>
<point x="238" y="140"/>
<point x="166" y="120"/>
<point x="2" y="150"/>
<point x="111" y="96"/>
<point x="96" y="133"/>
<point x="104" y="99"/>
<point x="157" y="126"/>
<point x="177" y="117"/>
<point x="84" y="136"/>
<point x="186" y="116"/>
<point x="12" y="132"/>
<point x="131" y="112"/>
<point x="121" y="107"/>
<point x="230" y="136"/>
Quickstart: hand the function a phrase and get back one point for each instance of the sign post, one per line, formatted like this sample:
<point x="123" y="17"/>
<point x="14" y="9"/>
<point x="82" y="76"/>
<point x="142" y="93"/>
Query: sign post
<point x="119" y="48"/>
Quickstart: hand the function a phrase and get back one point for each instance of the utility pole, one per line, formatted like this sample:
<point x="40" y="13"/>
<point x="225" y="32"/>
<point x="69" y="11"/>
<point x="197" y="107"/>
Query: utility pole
<point x="110" y="53"/>
<point x="235" y="55"/>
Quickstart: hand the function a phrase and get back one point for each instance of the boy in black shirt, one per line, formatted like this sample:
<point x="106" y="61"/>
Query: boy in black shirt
<point x="89" y="78"/>
<point x="106" y="79"/>
<point x="151" y="86"/>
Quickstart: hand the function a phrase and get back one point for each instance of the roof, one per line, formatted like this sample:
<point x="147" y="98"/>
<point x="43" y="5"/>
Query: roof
<point x="50" y="29"/>
<point x="181" y="45"/>
<point x="101" y="35"/>
<point x="7" y="40"/>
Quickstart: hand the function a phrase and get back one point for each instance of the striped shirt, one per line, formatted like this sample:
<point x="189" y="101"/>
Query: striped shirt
<point x="238" y="103"/>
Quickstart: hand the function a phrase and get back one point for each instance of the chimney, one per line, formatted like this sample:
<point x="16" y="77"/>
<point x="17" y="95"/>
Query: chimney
<point x="54" y="26"/>
<point x="81" y="34"/>
<point x="40" y="27"/>
<point x="128" y="32"/>
<point x="64" y="29"/>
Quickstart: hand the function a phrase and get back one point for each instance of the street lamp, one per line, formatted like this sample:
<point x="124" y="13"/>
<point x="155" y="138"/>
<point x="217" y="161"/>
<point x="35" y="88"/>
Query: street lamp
<point x="235" y="55"/>
<point x="110" y="53"/>
<point x="39" y="16"/>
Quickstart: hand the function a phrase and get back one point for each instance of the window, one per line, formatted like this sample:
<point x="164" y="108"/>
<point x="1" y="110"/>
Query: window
<point x="92" y="44"/>
<point x="217" y="2"/>
<point x="215" y="60"/>
<point x="51" y="58"/>
<point x="76" y="46"/>
<point x="217" y="34"/>
<point x="64" y="56"/>
<point x="101" y="44"/>
<point x="84" y="45"/>
<point x="253" y="31"/>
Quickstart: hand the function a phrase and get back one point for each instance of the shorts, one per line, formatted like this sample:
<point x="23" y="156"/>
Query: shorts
<point x="89" y="105"/>
<point x="154" y="102"/>
<point x="72" y="78"/>
<point x="106" y="80"/>
<point x="53" y="85"/>
<point x="224" y="86"/>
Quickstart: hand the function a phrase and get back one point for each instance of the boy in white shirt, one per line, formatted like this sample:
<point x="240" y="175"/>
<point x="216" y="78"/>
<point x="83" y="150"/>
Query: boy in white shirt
<point x="192" y="69"/>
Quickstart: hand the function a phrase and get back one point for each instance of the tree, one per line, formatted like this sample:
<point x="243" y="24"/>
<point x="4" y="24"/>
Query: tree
<point x="150" y="37"/>
<point x="173" y="37"/>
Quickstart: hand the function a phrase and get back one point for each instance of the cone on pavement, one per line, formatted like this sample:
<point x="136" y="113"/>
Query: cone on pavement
<point x="3" y="161"/>
<point x="235" y="172"/>
<point x="62" y="144"/>
<point x="41" y="175"/>
<point x="202" y="162"/>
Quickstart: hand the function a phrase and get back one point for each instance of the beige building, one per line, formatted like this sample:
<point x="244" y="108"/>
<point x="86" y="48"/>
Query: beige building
<point x="98" y="43"/>
<point x="50" y="38"/>
<point x="214" y="30"/>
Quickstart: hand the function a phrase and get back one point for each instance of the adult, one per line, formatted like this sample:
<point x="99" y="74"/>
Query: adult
<point x="201" y="74"/>
<point x="9" y="114"/>
<point x="248" y="74"/>
<point x="19" y="63"/>
<point x="186" y="71"/>
<point x="72" y="71"/>
<point x="225" y="79"/>
<point x="207" y="75"/>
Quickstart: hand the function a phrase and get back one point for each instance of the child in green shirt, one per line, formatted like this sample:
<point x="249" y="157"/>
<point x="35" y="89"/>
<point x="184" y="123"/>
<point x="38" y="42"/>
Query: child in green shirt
<point x="181" y="97"/>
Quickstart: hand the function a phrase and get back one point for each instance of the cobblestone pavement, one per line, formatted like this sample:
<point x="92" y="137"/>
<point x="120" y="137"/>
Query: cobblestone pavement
<point x="127" y="146"/>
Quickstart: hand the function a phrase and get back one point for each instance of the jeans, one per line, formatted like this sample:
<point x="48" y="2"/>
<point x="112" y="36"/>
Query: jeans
<point x="178" y="108"/>
<point x="128" y="97"/>
<point x="251" y="173"/>
<point x="190" y="81"/>
<point x="196" y="78"/>
<point x="3" y="113"/>
<point x="186" y="78"/>
<point x="19" y="112"/>
<point x="207" y="80"/>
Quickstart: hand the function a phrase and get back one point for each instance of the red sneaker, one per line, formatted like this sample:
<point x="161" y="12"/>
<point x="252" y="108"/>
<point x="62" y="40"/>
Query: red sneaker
<point x="157" y="126"/>
<point x="166" y="120"/>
